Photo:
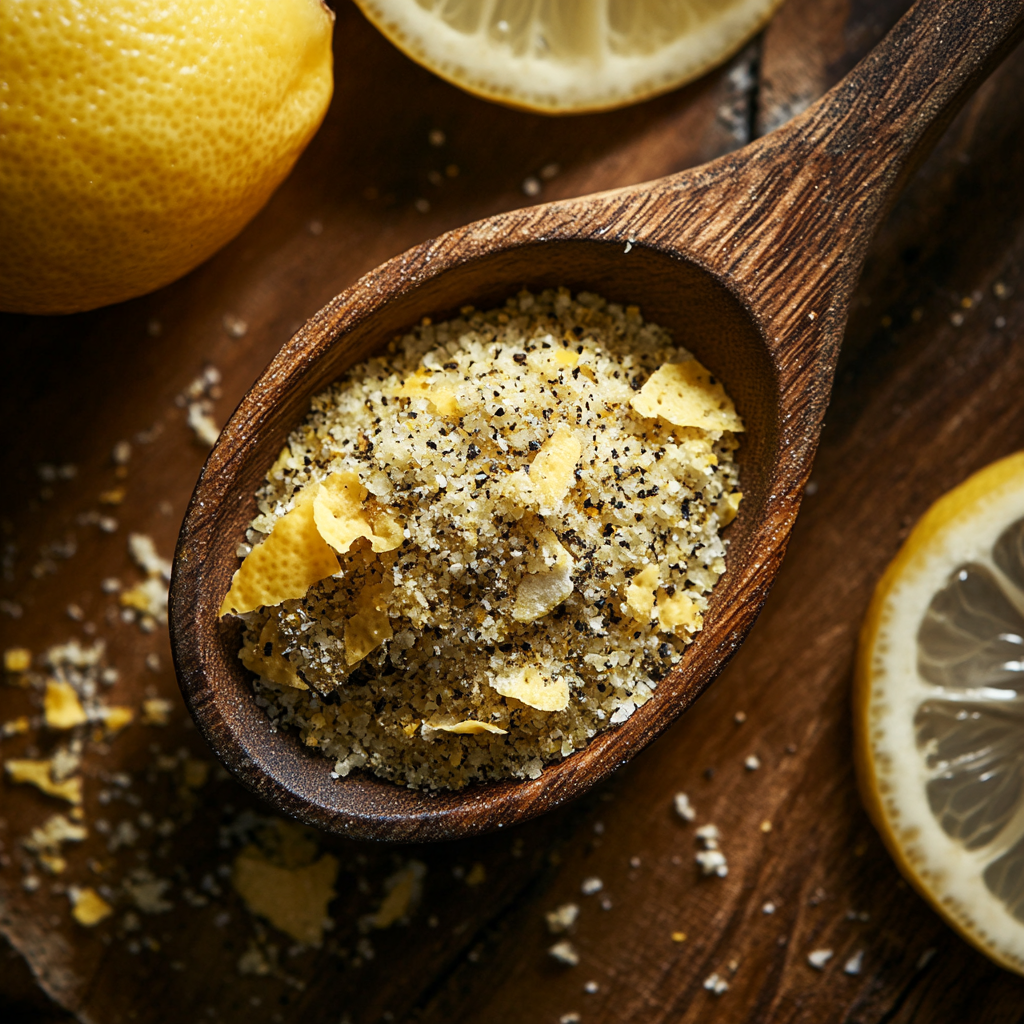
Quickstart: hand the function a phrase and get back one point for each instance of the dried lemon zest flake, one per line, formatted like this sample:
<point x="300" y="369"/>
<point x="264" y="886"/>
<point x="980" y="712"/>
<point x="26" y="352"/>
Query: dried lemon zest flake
<point x="640" y="594"/>
<point x="370" y="626"/>
<point x="679" y="613"/>
<point x="471" y="727"/>
<point x="729" y="507"/>
<point x="687" y="395"/>
<point x="343" y="515"/>
<point x="551" y="474"/>
<point x="442" y="398"/>
<point x="39" y="774"/>
<point x="61" y="707"/>
<point x="266" y="659"/>
<point x="530" y="685"/>
<point x="285" y="565"/>
<point x="88" y="907"/>
<point x="541" y="591"/>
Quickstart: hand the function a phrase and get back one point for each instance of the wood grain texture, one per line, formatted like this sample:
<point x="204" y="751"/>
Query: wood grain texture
<point x="918" y="404"/>
<point x="749" y="261"/>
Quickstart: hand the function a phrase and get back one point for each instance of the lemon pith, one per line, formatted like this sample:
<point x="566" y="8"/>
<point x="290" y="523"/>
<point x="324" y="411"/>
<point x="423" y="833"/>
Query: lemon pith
<point x="137" y="139"/>
<point x="938" y="717"/>
<point x="568" y="57"/>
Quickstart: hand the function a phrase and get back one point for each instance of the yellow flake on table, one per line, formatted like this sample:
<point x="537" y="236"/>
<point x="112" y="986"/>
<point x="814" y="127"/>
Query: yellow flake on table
<point x="566" y="358"/>
<point x="16" y="726"/>
<point x="116" y="717"/>
<point x="442" y="398"/>
<point x="61" y="707"/>
<point x="156" y="711"/>
<point x="678" y="613"/>
<point x="88" y="907"/>
<point x="728" y="507"/>
<point x="40" y="775"/>
<point x="640" y="594"/>
<point x="293" y="899"/>
<point x="402" y="892"/>
<point x="687" y="395"/>
<point x="17" y="659"/>
<point x="370" y="626"/>
<point x="148" y="597"/>
<point x="471" y="727"/>
<point x="529" y="685"/>
<point x="266" y="659"/>
<point x="542" y="590"/>
<point x="113" y="497"/>
<point x="46" y="840"/>
<point x="285" y="565"/>
<point x="195" y="773"/>
<point x="343" y="515"/>
<point x="477" y="875"/>
<point x="552" y="472"/>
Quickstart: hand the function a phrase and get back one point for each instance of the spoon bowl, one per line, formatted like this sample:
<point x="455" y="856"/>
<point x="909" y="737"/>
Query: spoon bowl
<point x="748" y="261"/>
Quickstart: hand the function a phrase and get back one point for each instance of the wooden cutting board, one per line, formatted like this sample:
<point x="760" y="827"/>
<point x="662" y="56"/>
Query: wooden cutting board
<point x="929" y="389"/>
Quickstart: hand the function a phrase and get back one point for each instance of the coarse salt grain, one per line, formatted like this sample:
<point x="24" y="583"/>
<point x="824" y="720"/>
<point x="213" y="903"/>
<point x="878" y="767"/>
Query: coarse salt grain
<point x="818" y="958"/>
<point x="683" y="807"/>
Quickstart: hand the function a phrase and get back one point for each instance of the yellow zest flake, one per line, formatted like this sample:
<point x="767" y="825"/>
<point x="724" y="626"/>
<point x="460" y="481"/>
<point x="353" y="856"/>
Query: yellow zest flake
<point x="552" y="472"/>
<point x="728" y="507"/>
<point x="285" y="565"/>
<point x="116" y="717"/>
<point x="88" y="907"/>
<point x="471" y="727"/>
<point x="39" y="774"/>
<point x="16" y="726"/>
<point x="17" y="659"/>
<point x="293" y="899"/>
<point x="267" y="660"/>
<point x="531" y="686"/>
<point x="402" y="892"/>
<point x="442" y="398"/>
<point x="156" y="711"/>
<point x="61" y="707"/>
<point x="640" y="594"/>
<point x="113" y="497"/>
<point x="542" y="591"/>
<point x="687" y="395"/>
<point x="678" y="613"/>
<point x="343" y="515"/>
<point x="370" y="626"/>
<point x="566" y="358"/>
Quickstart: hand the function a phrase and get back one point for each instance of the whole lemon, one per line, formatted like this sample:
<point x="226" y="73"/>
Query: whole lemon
<point x="139" y="136"/>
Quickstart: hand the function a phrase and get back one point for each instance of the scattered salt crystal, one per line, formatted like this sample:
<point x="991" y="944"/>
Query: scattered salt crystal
<point x="768" y="908"/>
<point x="683" y="807"/>
<point x="709" y="836"/>
<point x="855" y="963"/>
<point x="569" y="1018"/>
<point x="591" y="885"/>
<point x="752" y="763"/>
<point x="565" y="953"/>
<point x="562" y="918"/>
<point x="712" y="862"/>
<point x="818" y="958"/>
<point x="235" y="326"/>
<point x="740" y="717"/>
<point x="591" y="987"/>
<point x="715" y="983"/>
<point x="531" y="186"/>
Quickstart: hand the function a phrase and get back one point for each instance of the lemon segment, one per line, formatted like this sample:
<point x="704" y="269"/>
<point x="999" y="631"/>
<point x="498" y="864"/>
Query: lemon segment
<point x="137" y="139"/>
<point x="939" y="709"/>
<point x="568" y="56"/>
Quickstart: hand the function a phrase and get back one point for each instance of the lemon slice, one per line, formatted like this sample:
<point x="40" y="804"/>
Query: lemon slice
<point x="939" y="709"/>
<point x="568" y="56"/>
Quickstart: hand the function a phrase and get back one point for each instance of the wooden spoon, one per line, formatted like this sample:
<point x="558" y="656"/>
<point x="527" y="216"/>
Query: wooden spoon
<point x="749" y="261"/>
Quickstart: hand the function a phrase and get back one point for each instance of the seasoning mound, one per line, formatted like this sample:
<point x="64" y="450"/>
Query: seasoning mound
<point x="487" y="546"/>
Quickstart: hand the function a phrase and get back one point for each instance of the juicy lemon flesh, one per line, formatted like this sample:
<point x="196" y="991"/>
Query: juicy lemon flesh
<point x="568" y="56"/>
<point x="940" y="709"/>
<point x="138" y="138"/>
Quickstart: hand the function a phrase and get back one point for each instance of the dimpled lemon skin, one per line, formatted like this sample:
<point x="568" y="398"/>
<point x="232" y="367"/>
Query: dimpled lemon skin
<point x="138" y="137"/>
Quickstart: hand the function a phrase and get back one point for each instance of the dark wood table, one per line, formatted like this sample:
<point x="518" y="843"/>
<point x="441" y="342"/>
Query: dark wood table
<point x="930" y="388"/>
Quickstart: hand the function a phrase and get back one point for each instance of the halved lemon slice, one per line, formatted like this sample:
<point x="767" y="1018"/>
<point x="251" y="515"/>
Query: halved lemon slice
<point x="939" y="709"/>
<point x="568" y="56"/>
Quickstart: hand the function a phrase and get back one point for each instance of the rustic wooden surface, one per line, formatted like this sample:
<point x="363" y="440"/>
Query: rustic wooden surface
<point x="928" y="389"/>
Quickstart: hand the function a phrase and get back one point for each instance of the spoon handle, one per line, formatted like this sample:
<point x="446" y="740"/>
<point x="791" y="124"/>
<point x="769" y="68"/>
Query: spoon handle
<point x="785" y="222"/>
